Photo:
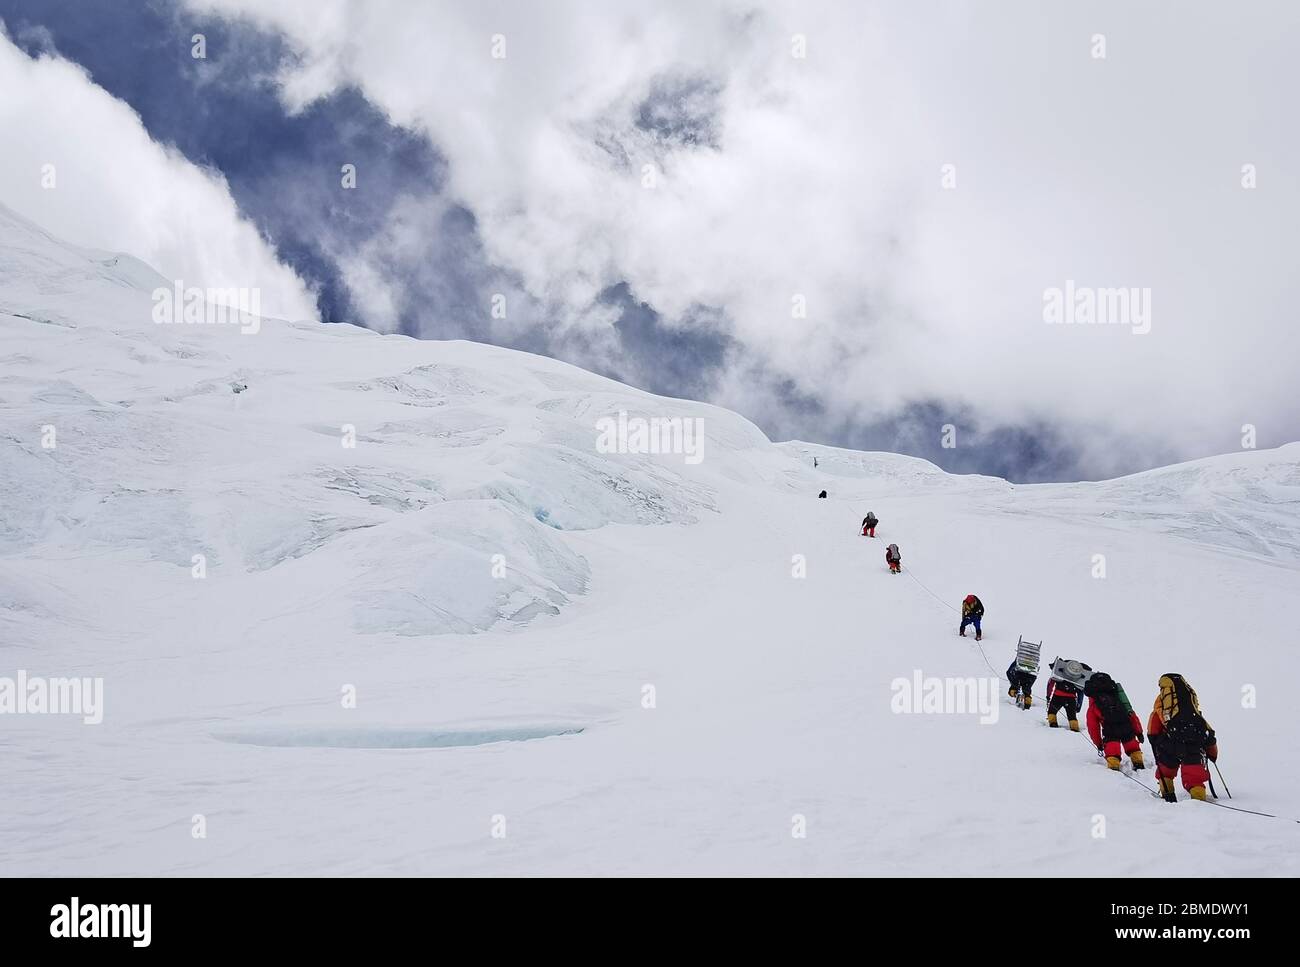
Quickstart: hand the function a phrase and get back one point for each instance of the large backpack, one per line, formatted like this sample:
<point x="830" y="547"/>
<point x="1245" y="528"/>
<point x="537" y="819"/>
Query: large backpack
<point x="1098" y="682"/>
<point x="1180" y="711"/>
<point x="891" y="552"/>
<point x="1111" y="701"/>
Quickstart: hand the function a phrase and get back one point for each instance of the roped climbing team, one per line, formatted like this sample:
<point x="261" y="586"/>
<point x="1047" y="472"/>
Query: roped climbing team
<point x="1181" y="738"/>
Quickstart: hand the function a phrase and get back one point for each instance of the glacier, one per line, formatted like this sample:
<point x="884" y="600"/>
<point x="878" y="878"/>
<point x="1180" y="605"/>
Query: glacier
<point x="332" y="580"/>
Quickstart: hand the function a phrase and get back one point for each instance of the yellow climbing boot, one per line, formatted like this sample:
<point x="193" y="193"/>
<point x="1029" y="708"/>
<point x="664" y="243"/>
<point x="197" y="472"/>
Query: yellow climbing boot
<point x="1113" y="761"/>
<point x="1136" y="756"/>
<point x="1167" y="790"/>
<point x="1074" y="725"/>
<point x="1197" y="792"/>
<point x="1011" y="692"/>
<point x="1029" y="700"/>
<point x="1051" y="719"/>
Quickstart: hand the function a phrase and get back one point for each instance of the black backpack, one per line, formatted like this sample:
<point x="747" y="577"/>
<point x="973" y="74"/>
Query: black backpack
<point x="1098" y="682"/>
<point x="1101" y="688"/>
<point x="1111" y="708"/>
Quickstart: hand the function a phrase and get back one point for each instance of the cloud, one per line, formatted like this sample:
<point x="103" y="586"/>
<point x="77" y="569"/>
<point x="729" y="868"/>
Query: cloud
<point x="820" y="177"/>
<point x="654" y="187"/>
<point x="114" y="188"/>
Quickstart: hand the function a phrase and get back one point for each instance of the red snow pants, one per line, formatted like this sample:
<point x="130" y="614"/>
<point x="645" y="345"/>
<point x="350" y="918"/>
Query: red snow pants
<point x="1194" y="774"/>
<point x="1112" y="748"/>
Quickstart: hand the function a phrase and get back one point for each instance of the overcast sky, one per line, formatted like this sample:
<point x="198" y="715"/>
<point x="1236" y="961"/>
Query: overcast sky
<point x="918" y="175"/>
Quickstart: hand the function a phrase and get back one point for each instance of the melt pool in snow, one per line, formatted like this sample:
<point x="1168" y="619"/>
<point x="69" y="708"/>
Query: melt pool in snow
<point x="390" y="738"/>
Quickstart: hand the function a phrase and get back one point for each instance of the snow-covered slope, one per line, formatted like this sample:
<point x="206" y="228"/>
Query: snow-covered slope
<point x="478" y="572"/>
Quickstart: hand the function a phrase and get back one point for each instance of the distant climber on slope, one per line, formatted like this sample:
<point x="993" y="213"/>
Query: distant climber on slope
<point x="869" y="524"/>
<point x="822" y="494"/>
<point x="1180" y="738"/>
<point x="894" y="559"/>
<point x="1112" y="723"/>
<point x="972" y="610"/>
<point x="1022" y="684"/>
<point x="1065" y="691"/>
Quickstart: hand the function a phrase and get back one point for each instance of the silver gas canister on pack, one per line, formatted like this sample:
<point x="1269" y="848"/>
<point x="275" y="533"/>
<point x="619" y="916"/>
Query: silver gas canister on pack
<point x="1070" y="671"/>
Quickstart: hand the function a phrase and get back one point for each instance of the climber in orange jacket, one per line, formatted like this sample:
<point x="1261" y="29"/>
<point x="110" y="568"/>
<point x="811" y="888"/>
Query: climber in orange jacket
<point x="1180" y="738"/>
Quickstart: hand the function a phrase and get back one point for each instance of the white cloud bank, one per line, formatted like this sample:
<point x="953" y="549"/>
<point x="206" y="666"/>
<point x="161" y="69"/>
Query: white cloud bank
<point x="825" y="181"/>
<point x="115" y="189"/>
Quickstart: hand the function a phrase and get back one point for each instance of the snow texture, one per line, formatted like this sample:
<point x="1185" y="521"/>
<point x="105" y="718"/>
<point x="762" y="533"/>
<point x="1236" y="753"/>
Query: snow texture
<point x="480" y="574"/>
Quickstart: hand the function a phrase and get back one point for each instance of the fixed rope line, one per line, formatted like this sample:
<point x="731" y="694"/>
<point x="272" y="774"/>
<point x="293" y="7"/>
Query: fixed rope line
<point x="1252" y="812"/>
<point x="930" y="593"/>
<point x="955" y="611"/>
<point x="1126" y="775"/>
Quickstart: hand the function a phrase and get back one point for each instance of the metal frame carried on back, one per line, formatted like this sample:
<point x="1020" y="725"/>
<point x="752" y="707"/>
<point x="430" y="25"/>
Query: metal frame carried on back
<point x="1027" y="654"/>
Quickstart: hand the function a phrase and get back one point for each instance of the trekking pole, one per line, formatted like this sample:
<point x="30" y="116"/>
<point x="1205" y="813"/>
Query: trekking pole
<point x="1221" y="779"/>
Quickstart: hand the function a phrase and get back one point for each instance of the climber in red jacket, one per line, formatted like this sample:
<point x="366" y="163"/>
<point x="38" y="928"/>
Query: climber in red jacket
<point x="894" y="559"/>
<point x="1064" y="695"/>
<point x="1112" y="723"/>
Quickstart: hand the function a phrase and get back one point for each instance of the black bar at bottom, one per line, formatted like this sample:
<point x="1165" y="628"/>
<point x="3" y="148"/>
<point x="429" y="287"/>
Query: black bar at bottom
<point x="333" y="917"/>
